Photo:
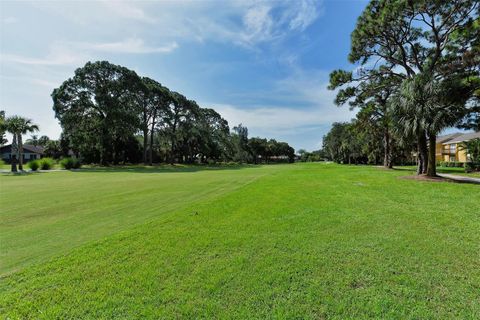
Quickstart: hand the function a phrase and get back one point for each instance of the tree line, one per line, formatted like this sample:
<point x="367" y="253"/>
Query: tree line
<point x="418" y="73"/>
<point x="111" y="115"/>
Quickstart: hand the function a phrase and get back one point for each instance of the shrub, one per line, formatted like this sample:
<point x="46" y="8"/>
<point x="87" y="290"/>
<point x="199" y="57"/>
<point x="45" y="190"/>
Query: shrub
<point x="34" y="165"/>
<point x="452" y="164"/>
<point x="46" y="163"/>
<point x="70" y="163"/>
<point x="472" y="166"/>
<point x="2" y="163"/>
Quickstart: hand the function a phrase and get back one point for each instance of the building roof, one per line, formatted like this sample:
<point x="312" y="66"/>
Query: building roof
<point x="26" y="147"/>
<point x="465" y="137"/>
<point x="448" y="137"/>
<point x="32" y="148"/>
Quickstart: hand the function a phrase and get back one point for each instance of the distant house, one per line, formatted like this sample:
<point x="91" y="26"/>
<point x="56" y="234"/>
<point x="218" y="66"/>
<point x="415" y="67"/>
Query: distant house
<point x="30" y="152"/>
<point x="448" y="146"/>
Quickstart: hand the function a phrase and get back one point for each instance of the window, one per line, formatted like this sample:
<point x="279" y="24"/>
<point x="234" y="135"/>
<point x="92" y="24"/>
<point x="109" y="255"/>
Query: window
<point x="453" y="147"/>
<point x="452" y="158"/>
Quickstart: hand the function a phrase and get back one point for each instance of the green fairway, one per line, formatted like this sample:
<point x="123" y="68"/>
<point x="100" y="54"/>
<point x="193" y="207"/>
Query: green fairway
<point x="44" y="214"/>
<point x="282" y="241"/>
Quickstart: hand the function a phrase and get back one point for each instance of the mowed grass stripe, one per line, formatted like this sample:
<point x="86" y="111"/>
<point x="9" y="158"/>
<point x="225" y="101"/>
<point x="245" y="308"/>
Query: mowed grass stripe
<point x="304" y="241"/>
<point x="50" y="213"/>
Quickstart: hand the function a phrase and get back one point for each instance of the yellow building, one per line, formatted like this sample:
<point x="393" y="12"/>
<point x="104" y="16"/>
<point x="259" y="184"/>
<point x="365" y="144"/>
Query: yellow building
<point x="448" y="147"/>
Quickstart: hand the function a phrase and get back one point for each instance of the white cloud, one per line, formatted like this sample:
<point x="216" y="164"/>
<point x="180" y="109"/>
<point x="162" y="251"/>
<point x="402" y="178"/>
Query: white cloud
<point x="243" y="23"/>
<point x="258" y="24"/>
<point x="130" y="45"/>
<point x="58" y="55"/>
<point x="96" y="13"/>
<point x="306" y="14"/>
<point x="266" y="23"/>
<point x="75" y="53"/>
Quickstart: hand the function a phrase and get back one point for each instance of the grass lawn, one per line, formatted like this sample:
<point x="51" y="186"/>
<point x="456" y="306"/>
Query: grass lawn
<point x="280" y="241"/>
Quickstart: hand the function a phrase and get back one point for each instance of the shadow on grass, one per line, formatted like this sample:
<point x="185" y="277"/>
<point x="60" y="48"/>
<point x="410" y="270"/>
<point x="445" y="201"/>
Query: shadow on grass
<point x="451" y="170"/>
<point x="408" y="168"/>
<point x="19" y="174"/>
<point x="164" y="168"/>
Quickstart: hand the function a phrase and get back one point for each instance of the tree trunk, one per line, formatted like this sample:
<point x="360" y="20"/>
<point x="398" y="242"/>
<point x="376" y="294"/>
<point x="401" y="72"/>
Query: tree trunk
<point x="152" y="131"/>
<point x="422" y="153"/>
<point x="425" y="157"/>
<point x="172" y="151"/>
<point x="145" y="131"/>
<point x="145" y="144"/>
<point x="387" y="158"/>
<point x="14" y="152"/>
<point x="173" y="139"/>
<point x="419" y="162"/>
<point x="432" y="165"/>
<point x="20" y="152"/>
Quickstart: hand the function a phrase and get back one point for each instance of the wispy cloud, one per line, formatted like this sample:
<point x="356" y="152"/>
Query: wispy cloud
<point x="306" y="13"/>
<point x="259" y="24"/>
<point x="73" y="53"/>
<point x="57" y="56"/>
<point x="131" y="45"/>
<point x="243" y="23"/>
<point x="272" y="21"/>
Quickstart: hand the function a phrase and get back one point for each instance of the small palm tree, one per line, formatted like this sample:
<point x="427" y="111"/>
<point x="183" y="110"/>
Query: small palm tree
<point x="12" y="125"/>
<point x="473" y="149"/>
<point x="19" y="126"/>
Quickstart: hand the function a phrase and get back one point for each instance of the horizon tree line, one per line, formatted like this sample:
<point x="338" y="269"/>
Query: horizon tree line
<point x="111" y="115"/>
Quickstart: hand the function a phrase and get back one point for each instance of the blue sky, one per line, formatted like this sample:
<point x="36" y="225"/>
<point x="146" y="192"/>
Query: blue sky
<point x="261" y="63"/>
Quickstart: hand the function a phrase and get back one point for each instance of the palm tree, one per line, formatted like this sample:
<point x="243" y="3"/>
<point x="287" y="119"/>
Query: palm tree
<point x="12" y="125"/>
<point x="424" y="108"/>
<point x="18" y="126"/>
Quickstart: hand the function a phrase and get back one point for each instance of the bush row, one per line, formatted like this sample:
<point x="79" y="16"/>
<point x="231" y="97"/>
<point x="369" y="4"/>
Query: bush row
<point x="42" y="164"/>
<point x="70" y="163"/>
<point x="48" y="163"/>
<point x="449" y="164"/>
